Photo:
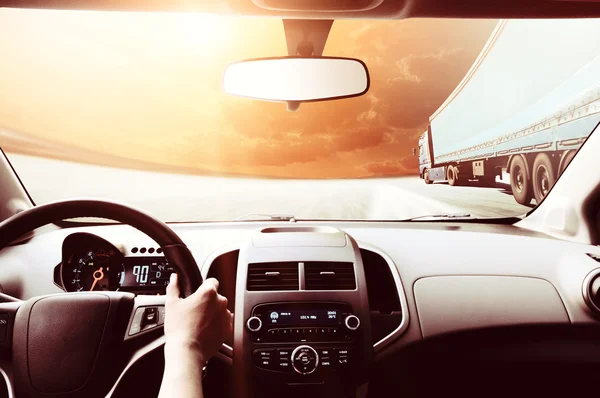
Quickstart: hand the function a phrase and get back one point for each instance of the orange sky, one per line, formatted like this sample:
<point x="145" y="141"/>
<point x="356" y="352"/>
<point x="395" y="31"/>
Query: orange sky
<point x="148" y="87"/>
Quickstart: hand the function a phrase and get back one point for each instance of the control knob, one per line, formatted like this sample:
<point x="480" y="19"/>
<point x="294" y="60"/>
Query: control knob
<point x="305" y="359"/>
<point x="352" y="322"/>
<point x="254" y="324"/>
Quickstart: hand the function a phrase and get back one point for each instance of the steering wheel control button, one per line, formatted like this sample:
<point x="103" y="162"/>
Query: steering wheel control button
<point x="254" y="324"/>
<point x="136" y="323"/>
<point x="161" y="315"/>
<point x="150" y="318"/>
<point x="352" y="322"/>
<point x="3" y="326"/>
<point x="305" y="359"/>
<point x="264" y="358"/>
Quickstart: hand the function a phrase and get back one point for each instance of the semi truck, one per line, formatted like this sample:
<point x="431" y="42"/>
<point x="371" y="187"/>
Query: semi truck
<point x="525" y="106"/>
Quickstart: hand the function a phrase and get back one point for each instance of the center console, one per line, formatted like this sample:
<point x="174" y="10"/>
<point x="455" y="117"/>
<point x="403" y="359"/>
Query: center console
<point x="302" y="322"/>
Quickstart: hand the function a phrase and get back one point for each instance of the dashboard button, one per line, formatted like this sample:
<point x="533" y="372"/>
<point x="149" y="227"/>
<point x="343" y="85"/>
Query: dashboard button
<point x="256" y="339"/>
<point x="310" y="333"/>
<point x="273" y="334"/>
<point x="284" y="365"/>
<point x="284" y="353"/>
<point x="324" y="352"/>
<point x="297" y="333"/>
<point x="264" y="358"/>
<point x="343" y="355"/>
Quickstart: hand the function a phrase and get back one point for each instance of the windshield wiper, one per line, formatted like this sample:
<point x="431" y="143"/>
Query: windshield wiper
<point x="267" y="217"/>
<point x="450" y="216"/>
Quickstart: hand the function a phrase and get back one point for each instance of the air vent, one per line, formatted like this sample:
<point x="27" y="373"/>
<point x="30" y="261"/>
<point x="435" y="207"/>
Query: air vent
<point x="273" y="276"/>
<point x="325" y="275"/>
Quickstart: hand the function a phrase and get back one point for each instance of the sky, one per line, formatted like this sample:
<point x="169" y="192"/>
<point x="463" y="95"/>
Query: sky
<point x="147" y="87"/>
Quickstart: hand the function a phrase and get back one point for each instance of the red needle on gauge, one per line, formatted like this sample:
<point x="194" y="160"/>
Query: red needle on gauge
<point x="97" y="276"/>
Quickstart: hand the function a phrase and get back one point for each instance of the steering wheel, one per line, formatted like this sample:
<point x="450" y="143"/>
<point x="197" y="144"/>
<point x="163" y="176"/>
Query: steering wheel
<point x="77" y="344"/>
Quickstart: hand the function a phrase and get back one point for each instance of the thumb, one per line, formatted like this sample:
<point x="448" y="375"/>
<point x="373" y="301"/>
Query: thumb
<point x="173" y="288"/>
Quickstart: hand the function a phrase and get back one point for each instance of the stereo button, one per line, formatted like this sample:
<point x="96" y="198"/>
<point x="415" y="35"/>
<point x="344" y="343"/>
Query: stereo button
<point x="343" y="355"/>
<point x="284" y="365"/>
<point x="284" y="353"/>
<point x="264" y="358"/>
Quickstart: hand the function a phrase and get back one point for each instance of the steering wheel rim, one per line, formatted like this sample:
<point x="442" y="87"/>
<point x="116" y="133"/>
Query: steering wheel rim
<point x="176" y="252"/>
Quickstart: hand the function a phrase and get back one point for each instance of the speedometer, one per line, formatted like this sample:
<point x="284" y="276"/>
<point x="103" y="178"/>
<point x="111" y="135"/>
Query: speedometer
<point x="88" y="263"/>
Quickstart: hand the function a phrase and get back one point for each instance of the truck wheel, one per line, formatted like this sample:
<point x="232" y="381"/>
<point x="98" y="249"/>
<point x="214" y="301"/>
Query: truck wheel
<point x="426" y="177"/>
<point x="452" y="177"/>
<point x="566" y="160"/>
<point x="520" y="185"/>
<point x="543" y="176"/>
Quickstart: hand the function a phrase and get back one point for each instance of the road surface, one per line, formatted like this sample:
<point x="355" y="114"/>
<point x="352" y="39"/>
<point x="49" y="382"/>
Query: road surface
<point x="181" y="197"/>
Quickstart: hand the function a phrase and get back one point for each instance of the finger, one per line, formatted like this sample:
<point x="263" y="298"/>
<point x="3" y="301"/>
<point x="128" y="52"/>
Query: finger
<point x="211" y="282"/>
<point x="173" y="288"/>
<point x="209" y="288"/>
<point x="224" y="300"/>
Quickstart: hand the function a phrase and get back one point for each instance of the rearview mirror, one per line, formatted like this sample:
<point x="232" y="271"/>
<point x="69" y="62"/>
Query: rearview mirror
<point x="297" y="79"/>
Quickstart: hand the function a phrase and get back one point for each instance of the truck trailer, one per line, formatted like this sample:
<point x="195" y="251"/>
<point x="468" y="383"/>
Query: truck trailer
<point x="525" y="107"/>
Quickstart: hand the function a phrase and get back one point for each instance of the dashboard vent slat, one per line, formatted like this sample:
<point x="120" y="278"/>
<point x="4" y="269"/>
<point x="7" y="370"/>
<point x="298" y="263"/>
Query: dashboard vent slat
<point x="273" y="276"/>
<point x="329" y="275"/>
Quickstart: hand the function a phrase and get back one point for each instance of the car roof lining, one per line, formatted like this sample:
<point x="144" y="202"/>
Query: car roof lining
<point x="388" y="9"/>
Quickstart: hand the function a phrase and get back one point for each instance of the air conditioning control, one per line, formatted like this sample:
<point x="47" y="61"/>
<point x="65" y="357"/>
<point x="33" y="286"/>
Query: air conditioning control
<point x="254" y="324"/>
<point x="352" y="322"/>
<point x="305" y="359"/>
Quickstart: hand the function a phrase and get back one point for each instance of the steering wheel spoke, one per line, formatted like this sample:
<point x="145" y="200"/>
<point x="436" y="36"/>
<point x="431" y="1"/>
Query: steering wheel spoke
<point x="147" y="317"/>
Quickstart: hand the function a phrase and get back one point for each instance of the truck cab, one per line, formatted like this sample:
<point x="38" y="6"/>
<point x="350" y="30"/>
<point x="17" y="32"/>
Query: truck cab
<point x="426" y="171"/>
<point x="424" y="160"/>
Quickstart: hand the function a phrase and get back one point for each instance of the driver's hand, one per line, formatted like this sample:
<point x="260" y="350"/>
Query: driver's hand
<point x="197" y="324"/>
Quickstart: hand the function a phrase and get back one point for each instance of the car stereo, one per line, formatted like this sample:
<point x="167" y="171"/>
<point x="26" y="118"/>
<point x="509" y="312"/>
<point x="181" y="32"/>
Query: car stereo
<point x="302" y="322"/>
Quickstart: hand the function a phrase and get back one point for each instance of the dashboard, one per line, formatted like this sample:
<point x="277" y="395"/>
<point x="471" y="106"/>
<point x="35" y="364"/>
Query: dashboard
<point x="318" y="306"/>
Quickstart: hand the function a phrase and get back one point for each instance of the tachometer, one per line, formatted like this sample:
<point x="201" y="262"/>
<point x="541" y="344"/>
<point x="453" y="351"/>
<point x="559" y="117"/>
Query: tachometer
<point x="91" y="270"/>
<point x="88" y="262"/>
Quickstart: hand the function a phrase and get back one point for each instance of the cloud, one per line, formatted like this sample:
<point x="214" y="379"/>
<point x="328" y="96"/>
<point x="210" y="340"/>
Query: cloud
<point x="170" y="108"/>
<point x="405" y="65"/>
<point x="392" y="167"/>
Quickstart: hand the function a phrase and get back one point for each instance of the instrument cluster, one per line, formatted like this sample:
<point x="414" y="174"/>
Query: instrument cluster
<point x="91" y="263"/>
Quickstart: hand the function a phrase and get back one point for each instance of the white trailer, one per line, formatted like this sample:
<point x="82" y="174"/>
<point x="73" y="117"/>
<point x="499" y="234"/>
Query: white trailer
<point x="527" y="104"/>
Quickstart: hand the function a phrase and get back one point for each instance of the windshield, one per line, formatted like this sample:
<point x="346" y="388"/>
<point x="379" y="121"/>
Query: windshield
<point x="475" y="118"/>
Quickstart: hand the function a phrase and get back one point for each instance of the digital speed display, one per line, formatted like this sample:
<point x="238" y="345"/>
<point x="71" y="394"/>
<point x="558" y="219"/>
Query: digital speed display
<point x="145" y="272"/>
<point x="304" y="317"/>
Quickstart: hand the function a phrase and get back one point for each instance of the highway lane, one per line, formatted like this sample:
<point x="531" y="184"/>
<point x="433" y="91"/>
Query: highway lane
<point x="472" y="198"/>
<point x="182" y="197"/>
